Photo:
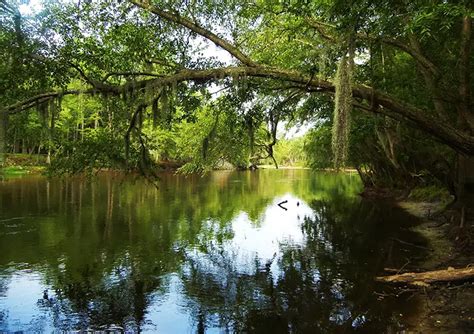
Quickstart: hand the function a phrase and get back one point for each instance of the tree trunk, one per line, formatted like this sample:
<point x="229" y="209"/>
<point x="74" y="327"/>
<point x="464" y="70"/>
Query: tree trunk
<point x="24" y="149"/>
<point x="465" y="180"/>
<point x="3" y="137"/>
<point x="16" y="146"/>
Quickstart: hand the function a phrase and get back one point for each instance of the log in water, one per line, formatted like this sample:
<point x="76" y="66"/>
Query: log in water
<point x="427" y="277"/>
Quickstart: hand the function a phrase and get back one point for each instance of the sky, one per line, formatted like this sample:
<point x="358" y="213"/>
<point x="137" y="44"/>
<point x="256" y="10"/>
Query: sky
<point x="30" y="8"/>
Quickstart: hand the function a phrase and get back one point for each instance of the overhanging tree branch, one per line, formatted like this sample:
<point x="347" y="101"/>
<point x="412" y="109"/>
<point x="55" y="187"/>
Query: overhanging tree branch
<point x="38" y="99"/>
<point x="321" y="28"/>
<point x="176" y="18"/>
<point x="82" y="73"/>
<point x="456" y="139"/>
<point x="324" y="30"/>
<point x="131" y="74"/>
<point x="385" y="103"/>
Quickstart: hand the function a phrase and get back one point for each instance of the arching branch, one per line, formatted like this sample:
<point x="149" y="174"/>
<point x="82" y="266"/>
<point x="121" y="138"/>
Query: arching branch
<point x="209" y="35"/>
<point x="394" y="108"/>
<point x="131" y="74"/>
<point x="385" y="103"/>
<point x="447" y="134"/>
<point x="38" y="99"/>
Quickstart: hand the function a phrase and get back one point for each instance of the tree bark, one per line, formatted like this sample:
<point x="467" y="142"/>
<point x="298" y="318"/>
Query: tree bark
<point x="466" y="115"/>
<point x="465" y="163"/>
<point x="465" y="181"/>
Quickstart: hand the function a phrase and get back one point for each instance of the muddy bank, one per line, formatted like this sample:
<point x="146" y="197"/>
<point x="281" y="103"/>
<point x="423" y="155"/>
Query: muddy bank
<point x="443" y="307"/>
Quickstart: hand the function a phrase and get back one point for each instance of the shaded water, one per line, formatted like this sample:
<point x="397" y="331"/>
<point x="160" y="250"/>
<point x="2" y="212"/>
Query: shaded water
<point x="200" y="254"/>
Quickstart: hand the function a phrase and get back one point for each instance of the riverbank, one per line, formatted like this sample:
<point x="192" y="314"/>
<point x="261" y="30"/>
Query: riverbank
<point x="21" y="164"/>
<point x="444" y="307"/>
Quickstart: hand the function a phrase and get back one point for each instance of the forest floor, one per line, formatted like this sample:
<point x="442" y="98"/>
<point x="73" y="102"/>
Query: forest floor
<point x="444" y="307"/>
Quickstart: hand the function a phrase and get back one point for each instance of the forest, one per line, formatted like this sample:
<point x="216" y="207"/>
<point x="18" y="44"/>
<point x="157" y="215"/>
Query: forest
<point x="385" y="86"/>
<point x="380" y="88"/>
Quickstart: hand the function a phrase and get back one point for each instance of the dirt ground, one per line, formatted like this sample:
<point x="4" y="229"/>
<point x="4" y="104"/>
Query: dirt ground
<point x="444" y="307"/>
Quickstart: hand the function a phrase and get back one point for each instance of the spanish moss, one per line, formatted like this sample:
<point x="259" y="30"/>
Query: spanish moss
<point x="342" y="111"/>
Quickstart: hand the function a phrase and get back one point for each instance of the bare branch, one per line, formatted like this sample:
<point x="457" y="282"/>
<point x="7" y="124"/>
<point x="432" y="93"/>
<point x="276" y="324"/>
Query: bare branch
<point x="418" y="56"/>
<point x="170" y="64"/>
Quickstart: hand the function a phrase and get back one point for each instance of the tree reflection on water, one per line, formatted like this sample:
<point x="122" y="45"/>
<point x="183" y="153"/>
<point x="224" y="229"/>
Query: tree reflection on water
<point x="211" y="253"/>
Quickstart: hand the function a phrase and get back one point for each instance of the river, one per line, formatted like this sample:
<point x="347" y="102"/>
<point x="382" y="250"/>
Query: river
<point x="213" y="253"/>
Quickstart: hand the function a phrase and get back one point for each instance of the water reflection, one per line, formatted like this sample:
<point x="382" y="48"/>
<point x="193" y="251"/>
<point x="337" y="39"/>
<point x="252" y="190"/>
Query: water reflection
<point x="200" y="254"/>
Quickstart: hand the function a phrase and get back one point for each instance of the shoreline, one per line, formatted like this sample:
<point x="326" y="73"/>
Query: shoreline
<point x="444" y="307"/>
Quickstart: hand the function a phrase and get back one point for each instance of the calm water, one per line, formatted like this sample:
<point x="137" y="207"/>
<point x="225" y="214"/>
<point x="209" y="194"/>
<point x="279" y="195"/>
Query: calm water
<point x="199" y="254"/>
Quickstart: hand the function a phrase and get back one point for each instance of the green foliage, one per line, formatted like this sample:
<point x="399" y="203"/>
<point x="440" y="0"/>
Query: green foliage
<point x="212" y="140"/>
<point x="89" y="45"/>
<point x="318" y="147"/>
<point x="98" y="149"/>
<point x="433" y="193"/>
<point x="13" y="170"/>
<point x="291" y="152"/>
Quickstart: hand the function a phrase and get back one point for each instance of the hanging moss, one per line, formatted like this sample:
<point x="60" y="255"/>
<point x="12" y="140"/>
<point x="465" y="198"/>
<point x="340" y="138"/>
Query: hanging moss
<point x="235" y="79"/>
<point x="205" y="147"/>
<point x="342" y="110"/>
<point x="165" y="103"/>
<point x="59" y="102"/>
<point x="52" y="111"/>
<point x="222" y="76"/>
<point x="209" y="137"/>
<point x="149" y="91"/>
<point x="43" y="113"/>
<point x="174" y="87"/>
<point x="249" y="124"/>
<point x="155" y="112"/>
<point x="323" y="62"/>
<point x="140" y="117"/>
<point x="124" y="96"/>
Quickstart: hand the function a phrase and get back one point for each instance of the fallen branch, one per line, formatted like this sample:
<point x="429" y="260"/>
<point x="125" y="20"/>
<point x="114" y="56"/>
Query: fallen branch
<point x="425" y="278"/>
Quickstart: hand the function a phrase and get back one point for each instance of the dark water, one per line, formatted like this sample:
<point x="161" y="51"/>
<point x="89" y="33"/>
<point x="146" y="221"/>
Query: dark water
<point x="201" y="254"/>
